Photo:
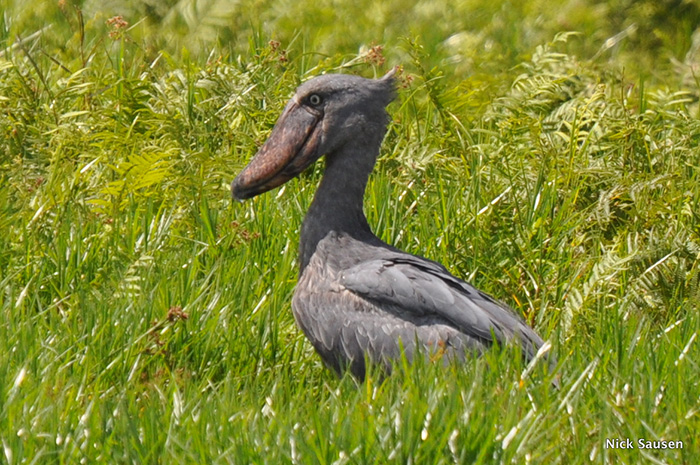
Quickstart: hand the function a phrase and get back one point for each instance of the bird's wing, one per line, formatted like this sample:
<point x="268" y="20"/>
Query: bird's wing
<point x="413" y="287"/>
<point x="345" y="327"/>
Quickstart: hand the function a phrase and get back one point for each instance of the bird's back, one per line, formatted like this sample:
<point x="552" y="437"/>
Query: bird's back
<point x="361" y="299"/>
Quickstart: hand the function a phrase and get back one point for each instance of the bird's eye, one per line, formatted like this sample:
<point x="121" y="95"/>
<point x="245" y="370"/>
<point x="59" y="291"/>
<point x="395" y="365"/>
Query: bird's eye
<point x="315" y="99"/>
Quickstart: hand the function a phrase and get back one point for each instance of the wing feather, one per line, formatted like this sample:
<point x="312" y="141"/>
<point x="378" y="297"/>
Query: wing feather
<point x="378" y="302"/>
<point x="412" y="287"/>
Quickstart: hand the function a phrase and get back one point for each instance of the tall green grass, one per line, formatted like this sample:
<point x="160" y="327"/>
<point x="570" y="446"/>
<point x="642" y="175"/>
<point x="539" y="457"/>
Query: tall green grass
<point x="146" y="318"/>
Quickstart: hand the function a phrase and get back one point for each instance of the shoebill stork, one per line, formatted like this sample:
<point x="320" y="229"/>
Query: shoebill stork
<point x="359" y="299"/>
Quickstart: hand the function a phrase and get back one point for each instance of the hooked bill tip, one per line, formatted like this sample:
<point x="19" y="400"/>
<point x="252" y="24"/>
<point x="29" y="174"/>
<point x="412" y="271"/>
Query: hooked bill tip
<point x="238" y="193"/>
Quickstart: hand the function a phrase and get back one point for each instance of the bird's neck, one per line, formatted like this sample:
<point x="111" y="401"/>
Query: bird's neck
<point x="337" y="205"/>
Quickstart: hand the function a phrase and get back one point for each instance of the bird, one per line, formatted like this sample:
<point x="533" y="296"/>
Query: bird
<point x="359" y="300"/>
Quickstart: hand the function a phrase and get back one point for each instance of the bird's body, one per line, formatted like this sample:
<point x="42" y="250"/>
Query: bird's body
<point x="359" y="298"/>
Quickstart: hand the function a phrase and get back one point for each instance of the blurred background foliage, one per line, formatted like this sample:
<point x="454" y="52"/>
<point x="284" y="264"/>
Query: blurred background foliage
<point x="463" y="38"/>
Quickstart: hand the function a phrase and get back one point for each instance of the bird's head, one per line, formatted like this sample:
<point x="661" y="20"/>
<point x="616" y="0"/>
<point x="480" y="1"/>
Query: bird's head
<point x="324" y="114"/>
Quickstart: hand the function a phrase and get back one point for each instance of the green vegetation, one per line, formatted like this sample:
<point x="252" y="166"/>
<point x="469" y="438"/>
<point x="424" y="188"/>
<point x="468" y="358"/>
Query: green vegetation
<point x="145" y="318"/>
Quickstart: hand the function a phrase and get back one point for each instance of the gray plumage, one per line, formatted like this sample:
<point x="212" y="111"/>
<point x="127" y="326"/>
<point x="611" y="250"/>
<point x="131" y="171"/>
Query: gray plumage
<point x="359" y="298"/>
